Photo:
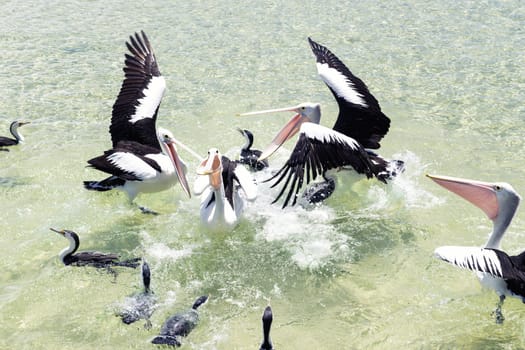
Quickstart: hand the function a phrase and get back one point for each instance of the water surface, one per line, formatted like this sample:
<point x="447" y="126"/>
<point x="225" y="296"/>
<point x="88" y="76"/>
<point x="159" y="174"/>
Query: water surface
<point x="355" y="272"/>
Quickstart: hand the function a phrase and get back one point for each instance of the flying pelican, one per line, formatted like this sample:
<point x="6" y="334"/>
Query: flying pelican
<point x="180" y="325"/>
<point x="144" y="157"/>
<point x="89" y="258"/>
<point x="13" y="128"/>
<point x="496" y="269"/>
<point x="358" y="129"/>
<point x="267" y="319"/>
<point x="250" y="156"/>
<point x="218" y="184"/>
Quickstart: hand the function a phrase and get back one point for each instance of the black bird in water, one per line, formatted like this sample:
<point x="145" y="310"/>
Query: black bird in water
<point x="250" y="156"/>
<point x="141" y="305"/>
<point x="267" y="324"/>
<point x="7" y="141"/>
<point x="179" y="325"/>
<point x="90" y="258"/>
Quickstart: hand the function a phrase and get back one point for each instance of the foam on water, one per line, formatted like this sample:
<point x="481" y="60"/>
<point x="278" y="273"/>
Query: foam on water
<point x="308" y="232"/>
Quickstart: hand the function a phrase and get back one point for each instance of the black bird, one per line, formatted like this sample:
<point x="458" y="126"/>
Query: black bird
<point x="267" y="324"/>
<point x="250" y="156"/>
<point x="13" y="128"/>
<point x="320" y="151"/>
<point x="90" y="258"/>
<point x="141" y="305"/>
<point x="179" y="325"/>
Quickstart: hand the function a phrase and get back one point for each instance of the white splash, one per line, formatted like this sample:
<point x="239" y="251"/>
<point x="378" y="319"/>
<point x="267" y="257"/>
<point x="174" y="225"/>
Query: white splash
<point x="405" y="188"/>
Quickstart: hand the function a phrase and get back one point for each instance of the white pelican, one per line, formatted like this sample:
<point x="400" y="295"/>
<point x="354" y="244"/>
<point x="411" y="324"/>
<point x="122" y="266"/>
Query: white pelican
<point x="359" y="127"/>
<point x="13" y="128"/>
<point x="496" y="269"/>
<point x="89" y="258"/>
<point x="219" y="186"/>
<point x="250" y="156"/>
<point x="143" y="158"/>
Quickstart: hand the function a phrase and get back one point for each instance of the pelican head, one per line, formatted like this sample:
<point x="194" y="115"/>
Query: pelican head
<point x="498" y="200"/>
<point x="304" y="113"/>
<point x="167" y="142"/>
<point x="212" y="166"/>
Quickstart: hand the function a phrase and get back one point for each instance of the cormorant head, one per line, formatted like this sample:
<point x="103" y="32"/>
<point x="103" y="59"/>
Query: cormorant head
<point x="200" y="300"/>
<point x="248" y="136"/>
<point x="146" y="276"/>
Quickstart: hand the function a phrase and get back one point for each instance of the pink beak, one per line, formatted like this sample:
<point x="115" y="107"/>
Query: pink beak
<point x="290" y="129"/>
<point x="481" y="194"/>
<point x="212" y="166"/>
<point x="177" y="163"/>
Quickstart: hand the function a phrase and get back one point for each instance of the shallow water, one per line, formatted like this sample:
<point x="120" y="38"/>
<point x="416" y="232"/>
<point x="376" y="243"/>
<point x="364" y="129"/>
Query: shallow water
<point x="355" y="272"/>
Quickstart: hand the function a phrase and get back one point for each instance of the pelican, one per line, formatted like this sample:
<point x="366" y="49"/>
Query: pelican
<point x="89" y="258"/>
<point x="267" y="324"/>
<point x="250" y="156"/>
<point x="144" y="157"/>
<point x="13" y="128"/>
<point x="496" y="270"/>
<point x="218" y="184"/>
<point x="359" y="128"/>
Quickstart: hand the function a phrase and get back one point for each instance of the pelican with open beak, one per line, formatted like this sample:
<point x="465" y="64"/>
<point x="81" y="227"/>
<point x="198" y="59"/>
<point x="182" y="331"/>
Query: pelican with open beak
<point x="496" y="270"/>
<point x="359" y="128"/>
<point x="220" y="183"/>
<point x="304" y="113"/>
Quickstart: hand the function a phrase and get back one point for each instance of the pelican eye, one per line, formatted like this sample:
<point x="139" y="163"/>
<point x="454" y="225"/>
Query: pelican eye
<point x="497" y="187"/>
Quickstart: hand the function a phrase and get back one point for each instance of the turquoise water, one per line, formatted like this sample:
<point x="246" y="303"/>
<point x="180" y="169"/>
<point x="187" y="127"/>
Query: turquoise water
<point x="355" y="272"/>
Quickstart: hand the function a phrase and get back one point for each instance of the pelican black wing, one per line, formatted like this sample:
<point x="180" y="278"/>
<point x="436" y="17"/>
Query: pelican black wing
<point x="360" y="115"/>
<point x="318" y="150"/>
<point x="135" y="110"/>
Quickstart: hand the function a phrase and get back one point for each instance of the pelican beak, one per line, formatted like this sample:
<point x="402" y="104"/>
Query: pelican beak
<point x="481" y="194"/>
<point x="212" y="166"/>
<point x="178" y="165"/>
<point x="289" y="130"/>
<point x="62" y="232"/>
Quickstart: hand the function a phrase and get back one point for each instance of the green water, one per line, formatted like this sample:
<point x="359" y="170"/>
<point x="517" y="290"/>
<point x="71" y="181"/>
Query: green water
<point x="356" y="272"/>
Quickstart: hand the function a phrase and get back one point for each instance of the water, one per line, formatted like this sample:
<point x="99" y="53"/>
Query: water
<point x="356" y="272"/>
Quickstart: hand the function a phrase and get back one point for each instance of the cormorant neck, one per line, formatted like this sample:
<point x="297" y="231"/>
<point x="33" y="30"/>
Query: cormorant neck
<point x="14" y="131"/>
<point x="267" y="324"/>
<point x="248" y="143"/>
<point x="67" y="252"/>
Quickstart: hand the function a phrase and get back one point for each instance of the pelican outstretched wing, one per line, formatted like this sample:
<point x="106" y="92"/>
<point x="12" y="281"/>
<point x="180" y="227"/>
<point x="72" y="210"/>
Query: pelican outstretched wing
<point x="135" y="110"/>
<point x="317" y="150"/>
<point x="488" y="260"/>
<point x="360" y="115"/>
